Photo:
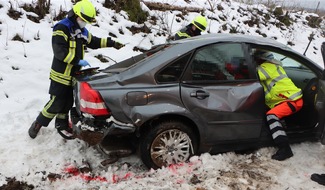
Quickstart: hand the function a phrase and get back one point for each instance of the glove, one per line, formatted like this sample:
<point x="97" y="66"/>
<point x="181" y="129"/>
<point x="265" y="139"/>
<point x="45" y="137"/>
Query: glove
<point x="118" y="45"/>
<point x="83" y="63"/>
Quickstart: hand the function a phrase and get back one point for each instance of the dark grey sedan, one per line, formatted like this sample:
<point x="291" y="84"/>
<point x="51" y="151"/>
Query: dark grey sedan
<point x="191" y="96"/>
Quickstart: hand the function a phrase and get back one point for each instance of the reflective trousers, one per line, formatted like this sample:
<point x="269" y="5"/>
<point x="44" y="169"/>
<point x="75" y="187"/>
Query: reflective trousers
<point x="274" y="115"/>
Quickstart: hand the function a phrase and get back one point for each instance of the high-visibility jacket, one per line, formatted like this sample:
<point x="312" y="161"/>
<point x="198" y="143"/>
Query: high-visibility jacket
<point x="68" y="44"/>
<point x="278" y="87"/>
<point x="186" y="32"/>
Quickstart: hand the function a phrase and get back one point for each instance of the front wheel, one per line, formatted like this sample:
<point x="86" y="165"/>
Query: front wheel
<point x="168" y="142"/>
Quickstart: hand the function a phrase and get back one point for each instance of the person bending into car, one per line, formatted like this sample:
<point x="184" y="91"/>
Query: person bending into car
<point x="195" y="28"/>
<point x="68" y="40"/>
<point x="281" y="96"/>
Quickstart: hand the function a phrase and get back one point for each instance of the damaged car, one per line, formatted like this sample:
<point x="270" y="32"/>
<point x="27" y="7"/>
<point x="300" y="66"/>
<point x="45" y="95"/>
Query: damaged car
<point x="192" y="96"/>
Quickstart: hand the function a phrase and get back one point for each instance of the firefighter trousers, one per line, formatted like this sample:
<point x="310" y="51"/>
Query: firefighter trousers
<point x="58" y="107"/>
<point x="274" y="115"/>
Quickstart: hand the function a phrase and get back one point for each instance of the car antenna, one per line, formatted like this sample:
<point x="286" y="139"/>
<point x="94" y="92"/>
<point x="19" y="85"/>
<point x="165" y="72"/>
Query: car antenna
<point x="311" y="37"/>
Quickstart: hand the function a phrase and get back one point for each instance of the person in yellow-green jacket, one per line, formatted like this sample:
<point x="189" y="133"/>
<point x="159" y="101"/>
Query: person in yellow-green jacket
<point x="70" y="37"/>
<point x="198" y="25"/>
<point x="281" y="96"/>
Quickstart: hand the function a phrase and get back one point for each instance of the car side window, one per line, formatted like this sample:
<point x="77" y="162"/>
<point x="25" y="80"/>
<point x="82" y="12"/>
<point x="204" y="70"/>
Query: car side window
<point x="287" y="61"/>
<point x="173" y="71"/>
<point x="219" y="62"/>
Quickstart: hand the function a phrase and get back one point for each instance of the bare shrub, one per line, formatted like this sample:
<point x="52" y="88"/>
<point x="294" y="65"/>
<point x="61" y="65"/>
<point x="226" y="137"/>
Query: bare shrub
<point x="61" y="15"/>
<point x="17" y="37"/>
<point x="314" y="21"/>
<point x="12" y="13"/>
<point x="284" y="18"/>
<point x="41" y="8"/>
<point x="135" y="29"/>
<point x="132" y="7"/>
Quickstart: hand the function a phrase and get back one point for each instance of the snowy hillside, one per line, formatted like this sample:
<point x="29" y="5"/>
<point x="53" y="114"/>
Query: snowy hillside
<point x="50" y="162"/>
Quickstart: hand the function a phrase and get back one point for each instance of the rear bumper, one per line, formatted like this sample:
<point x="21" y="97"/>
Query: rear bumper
<point x="93" y="131"/>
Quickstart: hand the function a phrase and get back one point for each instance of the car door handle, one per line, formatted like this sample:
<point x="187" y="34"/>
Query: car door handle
<point x="200" y="94"/>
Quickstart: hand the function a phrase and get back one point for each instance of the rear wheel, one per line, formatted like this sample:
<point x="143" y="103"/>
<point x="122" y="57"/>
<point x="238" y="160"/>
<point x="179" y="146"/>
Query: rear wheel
<point x="168" y="142"/>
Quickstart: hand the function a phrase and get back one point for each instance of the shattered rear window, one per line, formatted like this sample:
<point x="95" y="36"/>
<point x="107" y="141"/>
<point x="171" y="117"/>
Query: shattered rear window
<point x="134" y="60"/>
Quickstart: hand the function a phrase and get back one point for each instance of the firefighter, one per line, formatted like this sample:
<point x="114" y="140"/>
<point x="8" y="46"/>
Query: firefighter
<point x="69" y="39"/>
<point x="195" y="28"/>
<point x="281" y="96"/>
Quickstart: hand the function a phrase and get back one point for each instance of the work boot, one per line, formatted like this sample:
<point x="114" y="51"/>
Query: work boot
<point x="283" y="153"/>
<point x="34" y="129"/>
<point x="319" y="178"/>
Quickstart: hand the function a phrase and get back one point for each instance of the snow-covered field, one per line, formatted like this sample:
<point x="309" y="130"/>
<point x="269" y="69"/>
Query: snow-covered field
<point x="50" y="162"/>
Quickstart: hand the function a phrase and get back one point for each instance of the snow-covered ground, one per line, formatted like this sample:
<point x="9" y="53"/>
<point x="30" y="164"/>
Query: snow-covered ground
<point x="49" y="162"/>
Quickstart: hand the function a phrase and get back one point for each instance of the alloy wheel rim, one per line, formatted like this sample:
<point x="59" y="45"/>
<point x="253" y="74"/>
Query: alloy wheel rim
<point x="171" y="146"/>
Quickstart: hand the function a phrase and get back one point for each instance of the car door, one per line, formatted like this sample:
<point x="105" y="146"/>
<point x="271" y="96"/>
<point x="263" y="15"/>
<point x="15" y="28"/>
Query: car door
<point x="221" y="90"/>
<point x="320" y="98"/>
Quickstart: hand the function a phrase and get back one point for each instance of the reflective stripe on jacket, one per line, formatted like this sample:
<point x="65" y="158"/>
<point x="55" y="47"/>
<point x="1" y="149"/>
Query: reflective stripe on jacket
<point x="186" y="32"/>
<point x="278" y="87"/>
<point x="68" y="44"/>
<point x="183" y="33"/>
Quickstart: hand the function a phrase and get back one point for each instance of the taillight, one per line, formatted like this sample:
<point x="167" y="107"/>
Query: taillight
<point x="91" y="101"/>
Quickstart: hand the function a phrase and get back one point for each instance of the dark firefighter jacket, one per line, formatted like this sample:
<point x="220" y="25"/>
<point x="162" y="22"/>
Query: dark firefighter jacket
<point x="68" y="43"/>
<point x="186" y="32"/>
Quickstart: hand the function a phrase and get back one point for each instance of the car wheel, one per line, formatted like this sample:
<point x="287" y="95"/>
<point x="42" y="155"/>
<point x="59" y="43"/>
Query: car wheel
<point x="166" y="143"/>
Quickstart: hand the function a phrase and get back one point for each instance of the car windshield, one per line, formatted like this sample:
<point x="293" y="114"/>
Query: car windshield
<point x="134" y="60"/>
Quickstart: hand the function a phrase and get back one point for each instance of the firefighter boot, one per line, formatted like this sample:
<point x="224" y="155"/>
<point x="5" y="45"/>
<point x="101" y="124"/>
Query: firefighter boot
<point x="34" y="129"/>
<point x="283" y="153"/>
<point x="319" y="178"/>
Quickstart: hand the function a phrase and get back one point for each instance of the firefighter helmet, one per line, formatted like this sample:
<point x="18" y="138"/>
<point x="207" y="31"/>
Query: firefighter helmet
<point x="85" y="10"/>
<point x="266" y="56"/>
<point x="200" y="22"/>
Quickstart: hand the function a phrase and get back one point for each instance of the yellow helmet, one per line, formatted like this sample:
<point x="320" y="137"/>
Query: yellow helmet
<point x="200" y="22"/>
<point x="85" y="10"/>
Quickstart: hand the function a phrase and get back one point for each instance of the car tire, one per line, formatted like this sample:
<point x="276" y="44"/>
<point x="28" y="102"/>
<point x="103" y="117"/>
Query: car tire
<point x="166" y="143"/>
